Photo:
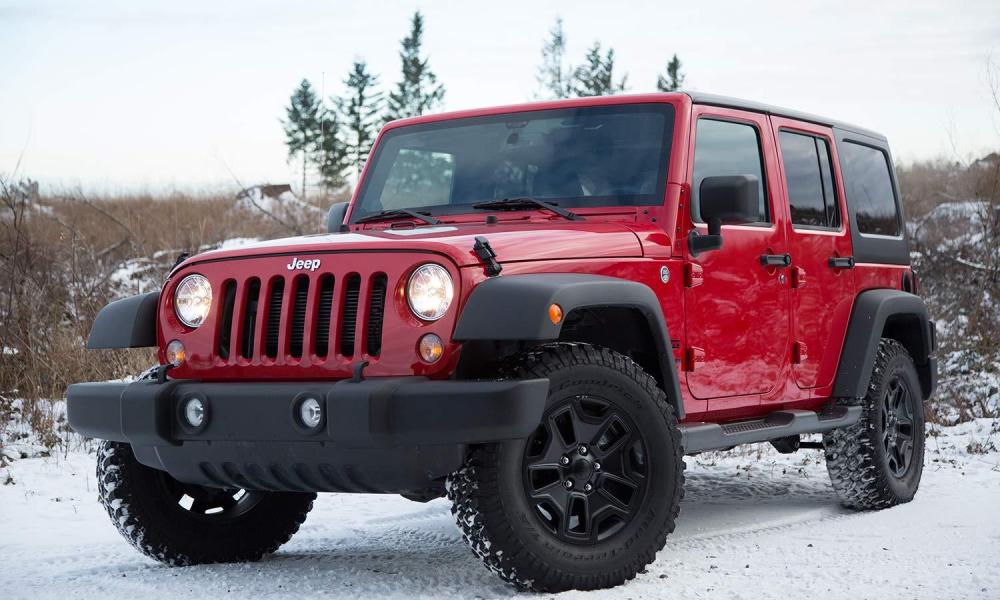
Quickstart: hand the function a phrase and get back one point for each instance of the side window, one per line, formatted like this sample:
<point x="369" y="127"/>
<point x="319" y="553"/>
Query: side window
<point x="418" y="178"/>
<point x="727" y="148"/>
<point x="869" y="189"/>
<point x="809" y="179"/>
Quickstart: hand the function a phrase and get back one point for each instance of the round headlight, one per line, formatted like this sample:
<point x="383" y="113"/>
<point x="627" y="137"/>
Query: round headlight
<point x="430" y="292"/>
<point x="193" y="300"/>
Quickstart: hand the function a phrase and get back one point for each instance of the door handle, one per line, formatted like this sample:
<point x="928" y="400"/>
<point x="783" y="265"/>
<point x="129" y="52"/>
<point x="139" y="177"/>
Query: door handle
<point x="841" y="262"/>
<point x="776" y="260"/>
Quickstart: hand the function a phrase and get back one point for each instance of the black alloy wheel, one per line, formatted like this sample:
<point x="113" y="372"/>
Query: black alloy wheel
<point x="897" y="426"/>
<point x="206" y="503"/>
<point x="585" y="470"/>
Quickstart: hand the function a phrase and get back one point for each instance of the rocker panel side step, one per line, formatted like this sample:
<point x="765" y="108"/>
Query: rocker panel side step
<point x="699" y="437"/>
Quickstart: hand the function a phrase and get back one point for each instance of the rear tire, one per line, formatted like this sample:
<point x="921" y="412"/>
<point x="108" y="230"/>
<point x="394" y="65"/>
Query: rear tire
<point x="877" y="462"/>
<point x="183" y="524"/>
<point x="588" y="500"/>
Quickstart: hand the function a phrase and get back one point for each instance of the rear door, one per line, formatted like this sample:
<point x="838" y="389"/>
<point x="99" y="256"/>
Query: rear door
<point x="737" y="309"/>
<point x="820" y="245"/>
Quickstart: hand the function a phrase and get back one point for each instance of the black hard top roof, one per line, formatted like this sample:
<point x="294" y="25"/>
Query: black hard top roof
<point x="727" y="102"/>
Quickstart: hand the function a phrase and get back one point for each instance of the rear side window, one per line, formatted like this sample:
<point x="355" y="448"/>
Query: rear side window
<point x="809" y="179"/>
<point x="727" y="148"/>
<point x="869" y="189"/>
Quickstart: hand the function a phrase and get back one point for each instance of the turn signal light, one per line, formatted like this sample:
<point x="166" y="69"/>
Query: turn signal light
<point x="431" y="348"/>
<point x="555" y="314"/>
<point x="176" y="354"/>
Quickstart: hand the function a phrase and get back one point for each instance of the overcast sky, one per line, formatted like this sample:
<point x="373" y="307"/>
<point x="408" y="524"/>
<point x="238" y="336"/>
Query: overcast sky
<point x="123" y="96"/>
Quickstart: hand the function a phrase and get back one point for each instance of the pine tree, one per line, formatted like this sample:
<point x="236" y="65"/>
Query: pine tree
<point x="331" y="151"/>
<point x="360" y="113"/>
<point x="555" y="79"/>
<point x="674" y="79"/>
<point x="302" y="127"/>
<point x="596" y="77"/>
<point x="419" y="90"/>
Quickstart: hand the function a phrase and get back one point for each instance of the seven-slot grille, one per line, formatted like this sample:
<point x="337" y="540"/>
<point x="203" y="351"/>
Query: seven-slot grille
<point x="316" y="315"/>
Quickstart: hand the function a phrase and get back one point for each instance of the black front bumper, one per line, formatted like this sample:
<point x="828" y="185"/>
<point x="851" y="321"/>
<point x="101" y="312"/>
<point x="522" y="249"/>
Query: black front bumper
<point x="378" y="435"/>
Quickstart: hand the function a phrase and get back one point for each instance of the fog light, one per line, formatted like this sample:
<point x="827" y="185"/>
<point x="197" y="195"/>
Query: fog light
<point x="431" y="348"/>
<point x="176" y="354"/>
<point x="311" y="413"/>
<point x="194" y="412"/>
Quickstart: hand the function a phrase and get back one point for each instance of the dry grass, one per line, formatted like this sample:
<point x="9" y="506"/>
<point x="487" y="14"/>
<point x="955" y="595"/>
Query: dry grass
<point x="955" y="239"/>
<point x="59" y="256"/>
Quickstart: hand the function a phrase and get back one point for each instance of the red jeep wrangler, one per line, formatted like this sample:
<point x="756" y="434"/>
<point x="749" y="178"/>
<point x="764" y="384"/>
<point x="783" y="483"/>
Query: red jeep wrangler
<point x="537" y="311"/>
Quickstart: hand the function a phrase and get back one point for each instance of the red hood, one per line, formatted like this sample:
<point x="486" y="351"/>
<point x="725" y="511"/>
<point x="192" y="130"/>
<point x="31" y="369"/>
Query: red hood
<point x="544" y="241"/>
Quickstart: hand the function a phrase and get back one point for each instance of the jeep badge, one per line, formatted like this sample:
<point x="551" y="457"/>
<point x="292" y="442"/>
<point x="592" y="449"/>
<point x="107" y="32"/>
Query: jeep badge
<point x="299" y="264"/>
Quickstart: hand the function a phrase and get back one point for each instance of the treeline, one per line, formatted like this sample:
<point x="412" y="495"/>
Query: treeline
<point x="595" y="76"/>
<point x="333" y="135"/>
<point x="330" y="138"/>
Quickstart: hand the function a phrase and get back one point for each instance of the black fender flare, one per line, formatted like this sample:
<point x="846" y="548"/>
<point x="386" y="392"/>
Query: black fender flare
<point x="515" y="308"/>
<point x="885" y="313"/>
<point x="126" y="323"/>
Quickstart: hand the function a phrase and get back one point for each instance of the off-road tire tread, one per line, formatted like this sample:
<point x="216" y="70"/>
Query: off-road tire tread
<point x="476" y="501"/>
<point x="155" y="534"/>
<point x="852" y="460"/>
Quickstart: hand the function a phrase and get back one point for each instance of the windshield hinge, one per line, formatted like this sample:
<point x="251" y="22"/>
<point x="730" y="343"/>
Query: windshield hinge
<point x="487" y="256"/>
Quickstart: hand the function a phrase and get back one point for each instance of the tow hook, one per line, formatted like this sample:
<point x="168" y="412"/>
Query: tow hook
<point x="161" y="373"/>
<point x="358" y="369"/>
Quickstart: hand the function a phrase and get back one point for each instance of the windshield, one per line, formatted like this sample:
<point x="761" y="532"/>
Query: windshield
<point x="590" y="156"/>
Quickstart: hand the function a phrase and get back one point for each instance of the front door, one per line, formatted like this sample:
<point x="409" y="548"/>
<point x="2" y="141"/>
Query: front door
<point x="736" y="306"/>
<point x="820" y="246"/>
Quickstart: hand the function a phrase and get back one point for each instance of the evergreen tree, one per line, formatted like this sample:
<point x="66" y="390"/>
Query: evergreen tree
<point x="674" y="79"/>
<point x="555" y="79"/>
<point x="596" y="77"/>
<point x="360" y="113"/>
<point x="331" y="151"/>
<point x="418" y="91"/>
<point x="302" y="127"/>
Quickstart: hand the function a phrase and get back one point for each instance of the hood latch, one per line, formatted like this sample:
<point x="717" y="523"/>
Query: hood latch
<point x="487" y="256"/>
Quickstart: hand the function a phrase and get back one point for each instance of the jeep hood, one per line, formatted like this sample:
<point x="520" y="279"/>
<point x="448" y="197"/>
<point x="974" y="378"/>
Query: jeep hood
<point x="523" y="242"/>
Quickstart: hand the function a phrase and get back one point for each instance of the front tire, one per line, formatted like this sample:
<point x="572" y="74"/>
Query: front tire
<point x="182" y="524"/>
<point x="877" y="462"/>
<point x="587" y="501"/>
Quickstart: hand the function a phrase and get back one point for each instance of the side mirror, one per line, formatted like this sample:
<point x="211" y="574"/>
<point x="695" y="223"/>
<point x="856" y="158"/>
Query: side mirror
<point x="335" y="218"/>
<point x="724" y="200"/>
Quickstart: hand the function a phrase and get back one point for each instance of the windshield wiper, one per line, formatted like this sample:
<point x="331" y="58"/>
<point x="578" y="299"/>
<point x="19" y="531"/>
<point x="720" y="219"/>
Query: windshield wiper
<point x="524" y="202"/>
<point x="395" y="213"/>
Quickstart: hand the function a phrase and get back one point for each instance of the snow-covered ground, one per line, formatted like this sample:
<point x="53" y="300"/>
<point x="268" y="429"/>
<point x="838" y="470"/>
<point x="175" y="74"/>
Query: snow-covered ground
<point x="752" y="525"/>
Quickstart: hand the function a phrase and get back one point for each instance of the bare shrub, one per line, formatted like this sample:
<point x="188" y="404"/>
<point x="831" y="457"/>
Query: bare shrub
<point x="64" y="256"/>
<point x="954" y="224"/>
